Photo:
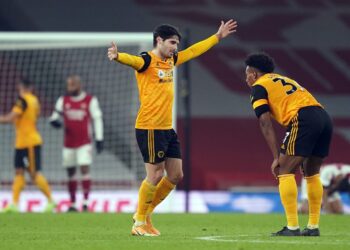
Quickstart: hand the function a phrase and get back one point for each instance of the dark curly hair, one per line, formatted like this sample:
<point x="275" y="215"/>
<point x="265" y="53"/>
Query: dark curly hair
<point x="165" y="31"/>
<point x="261" y="61"/>
<point x="25" y="82"/>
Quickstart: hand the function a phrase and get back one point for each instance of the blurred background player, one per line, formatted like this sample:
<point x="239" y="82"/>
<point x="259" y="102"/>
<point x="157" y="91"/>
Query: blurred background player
<point x="28" y="143"/>
<point x="78" y="109"/>
<point x="308" y="137"/>
<point x="156" y="138"/>
<point x="332" y="178"/>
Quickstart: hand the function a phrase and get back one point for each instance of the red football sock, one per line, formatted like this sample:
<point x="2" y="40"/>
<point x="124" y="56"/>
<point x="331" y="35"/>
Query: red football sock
<point x="72" y="189"/>
<point x="86" y="188"/>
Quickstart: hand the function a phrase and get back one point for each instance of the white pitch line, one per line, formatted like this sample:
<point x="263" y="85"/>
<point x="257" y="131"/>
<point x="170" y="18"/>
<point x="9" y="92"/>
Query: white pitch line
<point x="239" y="238"/>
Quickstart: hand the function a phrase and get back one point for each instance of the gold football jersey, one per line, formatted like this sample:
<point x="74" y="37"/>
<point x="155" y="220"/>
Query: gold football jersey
<point x="280" y="95"/>
<point x="28" y="108"/>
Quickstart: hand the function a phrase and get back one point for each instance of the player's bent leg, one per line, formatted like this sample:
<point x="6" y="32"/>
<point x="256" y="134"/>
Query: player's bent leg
<point x="44" y="187"/>
<point x="146" y="194"/>
<point x="174" y="172"/>
<point x="147" y="190"/>
<point x="41" y="182"/>
<point x="289" y="193"/>
<point x="315" y="192"/>
<point x="173" y="167"/>
<point x="163" y="189"/>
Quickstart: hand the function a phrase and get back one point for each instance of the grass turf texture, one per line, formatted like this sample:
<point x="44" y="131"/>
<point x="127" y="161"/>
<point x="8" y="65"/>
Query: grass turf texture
<point x="179" y="231"/>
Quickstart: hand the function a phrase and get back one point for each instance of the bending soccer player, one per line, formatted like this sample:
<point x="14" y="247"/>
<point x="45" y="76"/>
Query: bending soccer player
<point x="28" y="143"/>
<point x="157" y="140"/>
<point x="307" y="139"/>
<point x="333" y="178"/>
<point x="78" y="109"/>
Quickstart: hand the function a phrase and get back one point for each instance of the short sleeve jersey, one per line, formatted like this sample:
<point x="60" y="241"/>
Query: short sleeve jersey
<point x="28" y="108"/>
<point x="281" y="96"/>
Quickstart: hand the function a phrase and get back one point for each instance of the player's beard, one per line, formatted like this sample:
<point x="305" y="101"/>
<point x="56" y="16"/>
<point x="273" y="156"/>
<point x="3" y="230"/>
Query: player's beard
<point x="172" y="53"/>
<point x="74" y="93"/>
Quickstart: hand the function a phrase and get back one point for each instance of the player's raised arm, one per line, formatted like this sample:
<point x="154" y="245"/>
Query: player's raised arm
<point x="113" y="52"/>
<point x="135" y="62"/>
<point x="225" y="29"/>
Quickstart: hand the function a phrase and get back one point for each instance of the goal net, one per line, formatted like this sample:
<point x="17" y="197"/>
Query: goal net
<point x="46" y="59"/>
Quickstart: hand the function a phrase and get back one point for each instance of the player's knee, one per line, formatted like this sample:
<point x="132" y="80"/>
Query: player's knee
<point x="19" y="171"/>
<point x="311" y="172"/>
<point x="155" y="178"/>
<point x="71" y="172"/>
<point x="176" y="178"/>
<point x="33" y="176"/>
<point x="84" y="170"/>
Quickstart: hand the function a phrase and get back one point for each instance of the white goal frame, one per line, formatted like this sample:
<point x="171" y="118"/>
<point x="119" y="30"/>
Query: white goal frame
<point x="51" y="40"/>
<point x="22" y="41"/>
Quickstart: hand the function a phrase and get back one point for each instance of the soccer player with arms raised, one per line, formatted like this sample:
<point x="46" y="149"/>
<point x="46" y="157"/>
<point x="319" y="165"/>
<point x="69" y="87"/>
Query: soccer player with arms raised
<point x="28" y="143"/>
<point x="307" y="140"/>
<point x="156" y="138"/>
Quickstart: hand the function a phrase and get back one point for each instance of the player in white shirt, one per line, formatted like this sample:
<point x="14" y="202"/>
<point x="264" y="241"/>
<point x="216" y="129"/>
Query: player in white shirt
<point x="332" y="176"/>
<point x="80" y="112"/>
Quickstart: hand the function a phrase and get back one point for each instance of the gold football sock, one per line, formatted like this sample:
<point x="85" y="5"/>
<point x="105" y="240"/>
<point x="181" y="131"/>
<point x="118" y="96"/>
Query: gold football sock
<point x="146" y="195"/>
<point x="289" y="194"/>
<point x="43" y="185"/>
<point x="19" y="183"/>
<point x="163" y="188"/>
<point x="314" y="194"/>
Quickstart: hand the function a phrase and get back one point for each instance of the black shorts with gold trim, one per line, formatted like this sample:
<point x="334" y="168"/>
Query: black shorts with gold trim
<point x="157" y="145"/>
<point x="29" y="158"/>
<point x="309" y="133"/>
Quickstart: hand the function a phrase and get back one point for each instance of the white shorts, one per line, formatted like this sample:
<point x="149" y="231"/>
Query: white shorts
<point x="75" y="157"/>
<point x="303" y="196"/>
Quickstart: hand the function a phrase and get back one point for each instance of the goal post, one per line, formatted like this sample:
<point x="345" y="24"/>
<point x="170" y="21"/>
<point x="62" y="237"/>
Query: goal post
<point x="47" y="59"/>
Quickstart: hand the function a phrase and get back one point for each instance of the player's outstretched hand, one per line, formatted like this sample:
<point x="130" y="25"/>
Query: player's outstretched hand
<point x="226" y="29"/>
<point x="113" y="52"/>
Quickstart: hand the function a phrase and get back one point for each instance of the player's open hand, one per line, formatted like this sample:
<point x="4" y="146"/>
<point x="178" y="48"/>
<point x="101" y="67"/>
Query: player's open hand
<point x="112" y="52"/>
<point x="226" y="29"/>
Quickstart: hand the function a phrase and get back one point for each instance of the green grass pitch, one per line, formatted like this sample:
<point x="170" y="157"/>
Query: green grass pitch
<point x="179" y="231"/>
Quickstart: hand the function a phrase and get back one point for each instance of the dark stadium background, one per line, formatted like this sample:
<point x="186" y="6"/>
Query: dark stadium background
<point x="310" y="41"/>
